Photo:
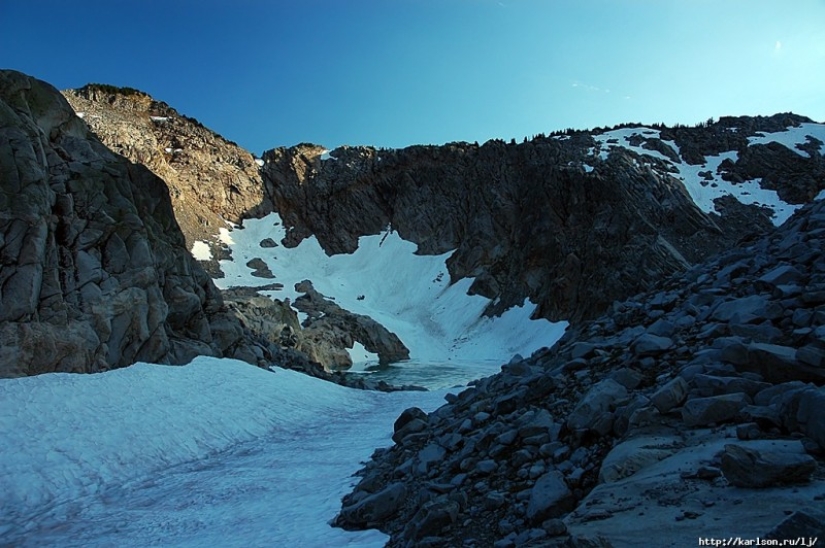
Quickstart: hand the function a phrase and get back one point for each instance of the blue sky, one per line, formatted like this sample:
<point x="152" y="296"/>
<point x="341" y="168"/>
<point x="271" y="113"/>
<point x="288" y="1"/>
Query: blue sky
<point x="399" y="72"/>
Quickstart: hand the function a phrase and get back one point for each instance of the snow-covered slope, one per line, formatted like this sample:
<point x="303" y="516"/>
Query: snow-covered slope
<point x="409" y="294"/>
<point x="704" y="182"/>
<point x="215" y="453"/>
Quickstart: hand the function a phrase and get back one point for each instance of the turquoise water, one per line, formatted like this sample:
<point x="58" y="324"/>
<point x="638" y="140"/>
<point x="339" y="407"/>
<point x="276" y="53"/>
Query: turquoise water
<point x="430" y="375"/>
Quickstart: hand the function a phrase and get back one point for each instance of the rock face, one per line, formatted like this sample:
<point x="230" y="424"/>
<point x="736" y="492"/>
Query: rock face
<point x="211" y="180"/>
<point x="549" y="218"/>
<point x="95" y="273"/>
<point x="329" y="330"/>
<point x="604" y="439"/>
<point x="573" y="221"/>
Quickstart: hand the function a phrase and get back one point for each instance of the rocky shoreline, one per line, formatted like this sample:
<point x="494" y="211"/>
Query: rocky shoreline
<point x="695" y="408"/>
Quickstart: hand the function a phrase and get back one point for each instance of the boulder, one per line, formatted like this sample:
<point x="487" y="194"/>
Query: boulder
<point x="741" y="310"/>
<point x="601" y="399"/>
<point x="810" y="415"/>
<point x="651" y="345"/>
<point x="799" y="525"/>
<point x="549" y="498"/>
<point x="371" y="510"/>
<point x="628" y="457"/>
<point x="746" y="467"/>
<point x="671" y="395"/>
<point x="713" y="409"/>
<point x="432" y="517"/>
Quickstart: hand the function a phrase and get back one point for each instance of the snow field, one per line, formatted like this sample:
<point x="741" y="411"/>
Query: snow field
<point x="407" y="293"/>
<point x="227" y="453"/>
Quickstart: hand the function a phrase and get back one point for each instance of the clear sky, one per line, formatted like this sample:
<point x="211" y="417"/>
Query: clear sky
<point x="268" y="73"/>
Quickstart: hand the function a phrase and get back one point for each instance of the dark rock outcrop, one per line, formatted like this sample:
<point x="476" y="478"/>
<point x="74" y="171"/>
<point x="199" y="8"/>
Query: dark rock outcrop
<point x="546" y="219"/>
<point x="94" y="271"/>
<point x="329" y="330"/>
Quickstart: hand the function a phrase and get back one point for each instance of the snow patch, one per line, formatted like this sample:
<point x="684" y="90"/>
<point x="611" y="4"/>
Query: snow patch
<point x="792" y="137"/>
<point x="704" y="189"/>
<point x="622" y="139"/>
<point x="327" y="156"/>
<point x="361" y="357"/>
<point x="225" y="236"/>
<point x="259" y="162"/>
<point x="200" y="250"/>
<point x="159" y="118"/>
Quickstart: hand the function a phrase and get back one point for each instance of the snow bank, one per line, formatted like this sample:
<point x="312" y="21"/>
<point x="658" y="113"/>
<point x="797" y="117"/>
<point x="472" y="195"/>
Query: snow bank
<point x="67" y="442"/>
<point x="200" y="250"/>
<point x="792" y="137"/>
<point x="407" y="293"/>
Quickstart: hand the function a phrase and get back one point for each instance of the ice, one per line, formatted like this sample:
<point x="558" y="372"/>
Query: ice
<point x="215" y="453"/>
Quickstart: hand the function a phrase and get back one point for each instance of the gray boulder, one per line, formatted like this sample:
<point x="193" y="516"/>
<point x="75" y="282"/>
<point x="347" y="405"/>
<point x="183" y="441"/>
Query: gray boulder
<point x="549" y="498"/>
<point x="670" y="395"/>
<point x="746" y="467"/>
<point x="651" y="345"/>
<point x="601" y="399"/>
<point x="374" y="508"/>
<point x="713" y="409"/>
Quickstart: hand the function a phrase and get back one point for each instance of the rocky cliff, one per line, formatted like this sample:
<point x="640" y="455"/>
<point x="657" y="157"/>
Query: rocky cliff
<point x="211" y="180"/>
<point x="693" y="410"/>
<point x="94" y="270"/>
<point x="572" y="221"/>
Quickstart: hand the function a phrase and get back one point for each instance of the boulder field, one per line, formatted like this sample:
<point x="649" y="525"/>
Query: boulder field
<point x="693" y="410"/>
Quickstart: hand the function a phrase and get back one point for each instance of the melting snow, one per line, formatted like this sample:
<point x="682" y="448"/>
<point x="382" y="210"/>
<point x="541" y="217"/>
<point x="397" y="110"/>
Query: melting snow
<point x="200" y="250"/>
<point x="407" y="293"/>
<point x="361" y="357"/>
<point x="225" y="236"/>
<point x="703" y="190"/>
<point x="793" y="136"/>
<point x="216" y="453"/>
